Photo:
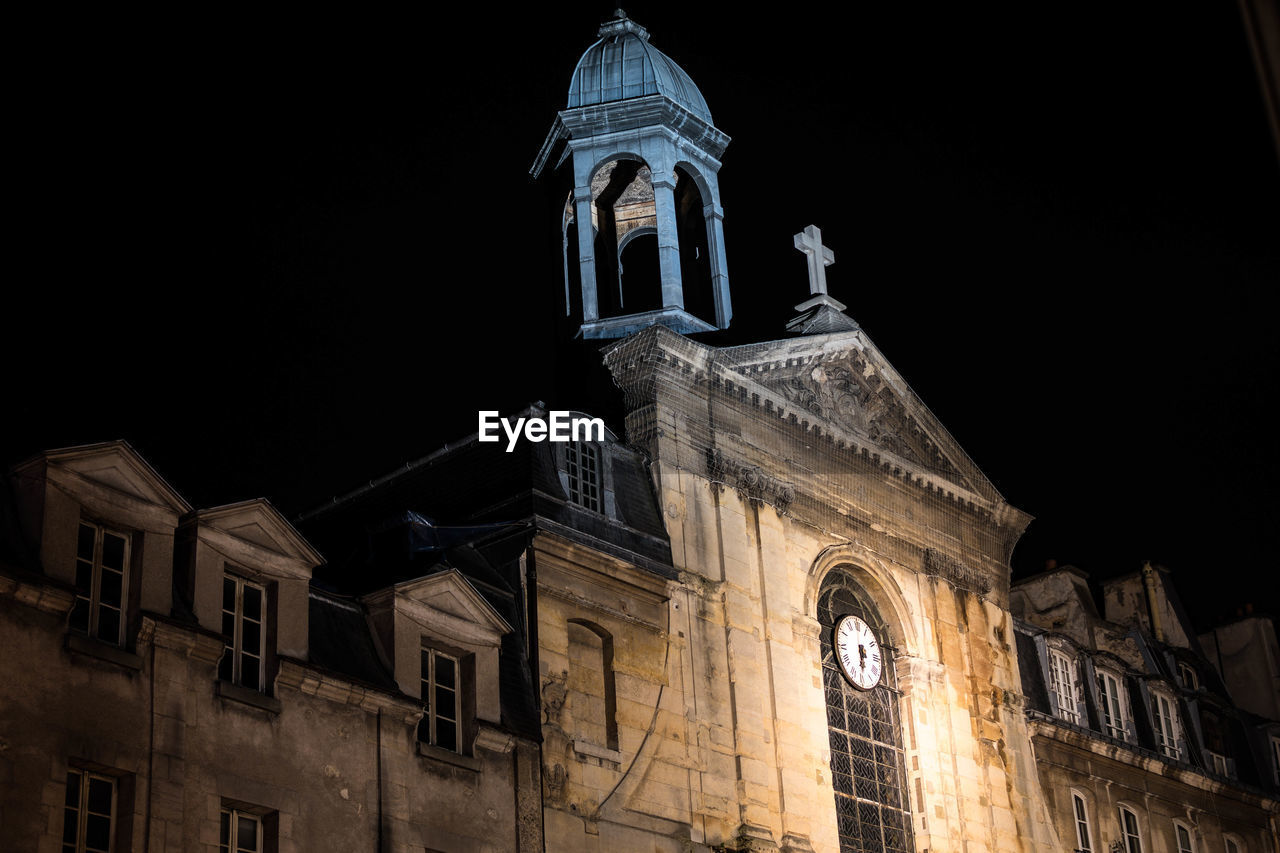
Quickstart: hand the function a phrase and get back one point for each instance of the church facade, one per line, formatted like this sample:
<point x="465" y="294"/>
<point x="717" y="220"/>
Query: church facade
<point x="775" y="615"/>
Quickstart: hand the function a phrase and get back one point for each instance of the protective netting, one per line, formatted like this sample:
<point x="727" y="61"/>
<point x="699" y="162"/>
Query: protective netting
<point x="822" y="428"/>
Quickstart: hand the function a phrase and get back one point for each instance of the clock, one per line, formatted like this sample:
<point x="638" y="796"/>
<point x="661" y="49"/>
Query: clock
<point x="857" y="652"/>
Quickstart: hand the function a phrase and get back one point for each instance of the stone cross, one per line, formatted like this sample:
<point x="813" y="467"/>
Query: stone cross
<point x="809" y="241"/>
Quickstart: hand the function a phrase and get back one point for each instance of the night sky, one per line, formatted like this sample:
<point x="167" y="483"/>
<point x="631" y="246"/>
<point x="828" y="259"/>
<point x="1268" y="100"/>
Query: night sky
<point x="283" y="256"/>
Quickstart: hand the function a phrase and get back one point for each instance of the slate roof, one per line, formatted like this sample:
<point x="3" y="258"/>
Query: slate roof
<point x="622" y="65"/>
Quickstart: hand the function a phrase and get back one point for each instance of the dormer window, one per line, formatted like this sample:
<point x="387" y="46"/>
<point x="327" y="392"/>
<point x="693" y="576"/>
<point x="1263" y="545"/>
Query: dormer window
<point x="102" y="582"/>
<point x="583" y="462"/>
<point x="1115" y="720"/>
<point x="1062" y="681"/>
<point x="442" y="694"/>
<point x="1165" y="718"/>
<point x="1188" y="677"/>
<point x="244" y="616"/>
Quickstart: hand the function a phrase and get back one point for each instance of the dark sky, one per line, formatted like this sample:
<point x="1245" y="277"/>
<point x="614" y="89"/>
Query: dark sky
<point x="281" y="256"/>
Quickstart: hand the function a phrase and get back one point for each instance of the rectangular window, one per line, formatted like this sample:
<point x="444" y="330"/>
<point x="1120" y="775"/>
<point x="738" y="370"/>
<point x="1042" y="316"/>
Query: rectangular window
<point x="240" y="832"/>
<point x="1166" y="723"/>
<point x="89" y="813"/>
<point x="442" y="695"/>
<point x="1275" y="759"/>
<point x="584" y="474"/>
<point x="1062" y="680"/>
<point x="243" y="624"/>
<point x="102" y="582"/>
<point x="1184" y="838"/>
<point x="1217" y="763"/>
<point x="1113" y="718"/>
<point x="1129" y="831"/>
<point x="1082" y="825"/>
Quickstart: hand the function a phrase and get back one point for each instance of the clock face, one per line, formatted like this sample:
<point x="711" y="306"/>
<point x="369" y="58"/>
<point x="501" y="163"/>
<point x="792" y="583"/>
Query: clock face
<point x="857" y="652"/>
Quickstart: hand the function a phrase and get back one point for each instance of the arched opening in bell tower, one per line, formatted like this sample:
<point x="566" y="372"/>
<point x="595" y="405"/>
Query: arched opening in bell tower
<point x="695" y="253"/>
<point x="626" y="236"/>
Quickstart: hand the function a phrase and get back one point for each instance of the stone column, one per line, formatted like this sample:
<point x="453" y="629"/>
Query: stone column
<point x="714" y="216"/>
<point x="664" y="199"/>
<point x="586" y="252"/>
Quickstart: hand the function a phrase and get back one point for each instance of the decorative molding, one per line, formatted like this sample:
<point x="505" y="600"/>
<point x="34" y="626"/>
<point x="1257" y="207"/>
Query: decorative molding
<point x="750" y="481"/>
<point x="848" y="391"/>
<point x="959" y="574"/>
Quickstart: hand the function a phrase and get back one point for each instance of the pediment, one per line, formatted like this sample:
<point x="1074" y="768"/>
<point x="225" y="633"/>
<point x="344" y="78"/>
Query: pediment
<point x="840" y="380"/>
<point x="258" y="524"/>
<point x="449" y="595"/>
<point x="119" y="468"/>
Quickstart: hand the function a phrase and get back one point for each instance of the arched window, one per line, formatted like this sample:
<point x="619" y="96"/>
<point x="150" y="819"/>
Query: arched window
<point x="1232" y="844"/>
<point x="1080" y="814"/>
<point x="1182" y="835"/>
<point x="1129" y="832"/>
<point x="592" y="698"/>
<point x="867" y="769"/>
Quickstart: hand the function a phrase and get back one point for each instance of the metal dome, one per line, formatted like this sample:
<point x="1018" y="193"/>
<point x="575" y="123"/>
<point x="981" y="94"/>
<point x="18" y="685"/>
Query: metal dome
<point x="622" y="65"/>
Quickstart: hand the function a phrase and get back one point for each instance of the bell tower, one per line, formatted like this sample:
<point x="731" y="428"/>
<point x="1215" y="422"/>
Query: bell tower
<point x="642" y="226"/>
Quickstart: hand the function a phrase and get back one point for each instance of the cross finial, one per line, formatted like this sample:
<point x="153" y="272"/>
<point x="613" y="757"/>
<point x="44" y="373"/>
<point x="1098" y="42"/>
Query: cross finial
<point x="819" y="256"/>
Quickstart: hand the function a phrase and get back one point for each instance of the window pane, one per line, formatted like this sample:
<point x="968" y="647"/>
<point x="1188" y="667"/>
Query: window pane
<point x="249" y="669"/>
<point x="109" y="592"/>
<point x="251" y="637"/>
<point x="445" y="699"/>
<point x="73" y="789"/>
<point x="84" y="543"/>
<point x="224" y="834"/>
<point x="70" y="824"/>
<point x="97" y="834"/>
<point x="444" y="671"/>
<point x="80" y="615"/>
<point x="84" y="576"/>
<point x="113" y="551"/>
<point x="108" y="624"/>
<point x="228" y="594"/>
<point x="100" y="796"/>
<point x="253" y="602"/>
<point x="446" y="734"/>
<point x="247" y="836"/>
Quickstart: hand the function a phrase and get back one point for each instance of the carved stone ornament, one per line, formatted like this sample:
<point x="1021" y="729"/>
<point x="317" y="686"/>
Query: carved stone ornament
<point x="554" y="694"/>
<point x="848" y="391"/>
<point x="749" y="480"/>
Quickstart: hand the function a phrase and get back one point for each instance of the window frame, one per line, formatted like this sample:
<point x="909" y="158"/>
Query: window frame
<point x="93" y="599"/>
<point x="574" y="454"/>
<point x="80" y="843"/>
<point x="1115" y="721"/>
<point x="1185" y="670"/>
<point x="1166" y="741"/>
<point x="233" y="820"/>
<point x="1233" y="844"/>
<point x="1069" y="709"/>
<point x="1275" y="758"/>
<point x="429" y="687"/>
<point x="235" y="652"/>
<point x="1132" y="840"/>
<point x="1080" y="818"/>
<point x="1182" y="831"/>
